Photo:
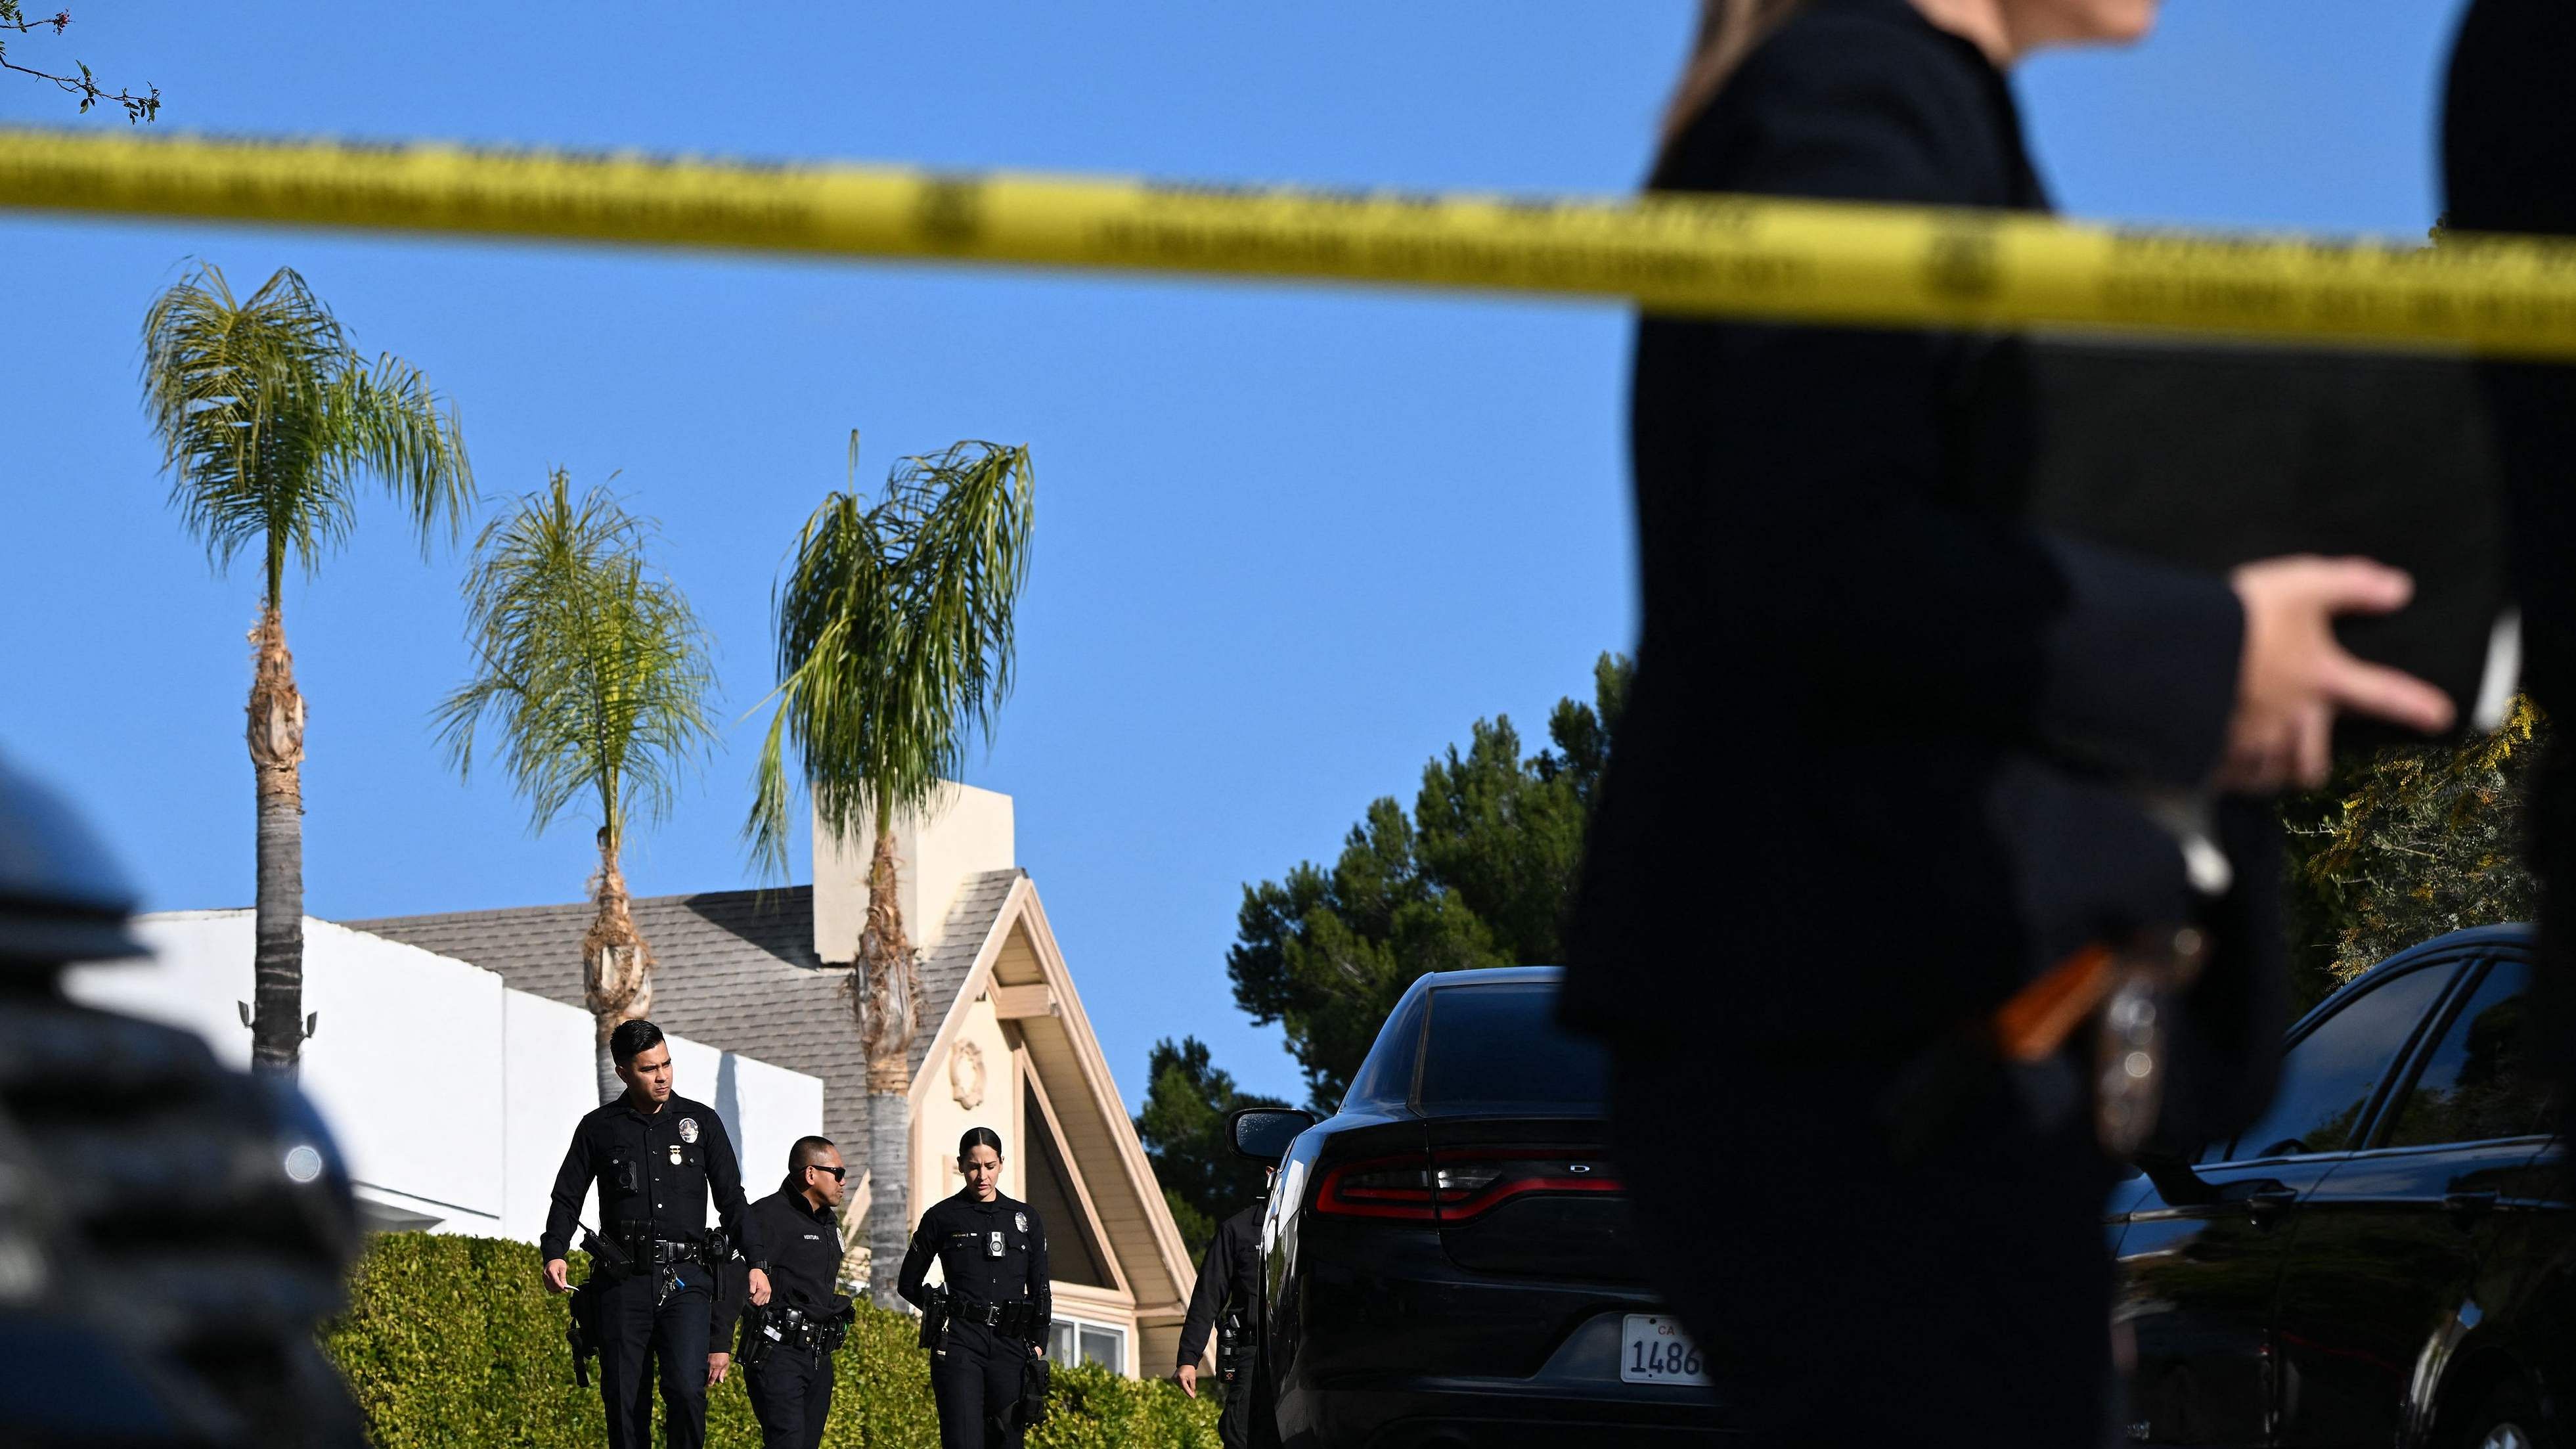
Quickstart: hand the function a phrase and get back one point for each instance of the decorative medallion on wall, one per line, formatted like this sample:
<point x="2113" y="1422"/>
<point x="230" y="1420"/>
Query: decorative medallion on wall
<point x="966" y="1075"/>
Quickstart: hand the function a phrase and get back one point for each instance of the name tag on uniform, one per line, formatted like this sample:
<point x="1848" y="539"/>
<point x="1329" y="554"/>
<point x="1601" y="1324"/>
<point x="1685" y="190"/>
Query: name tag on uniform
<point x="992" y="1245"/>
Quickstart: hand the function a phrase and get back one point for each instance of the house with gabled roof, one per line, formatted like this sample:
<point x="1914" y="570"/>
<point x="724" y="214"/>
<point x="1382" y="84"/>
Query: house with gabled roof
<point x="1004" y="1044"/>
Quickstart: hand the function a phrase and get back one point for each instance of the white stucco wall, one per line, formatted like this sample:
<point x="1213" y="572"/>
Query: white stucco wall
<point x="451" y="1095"/>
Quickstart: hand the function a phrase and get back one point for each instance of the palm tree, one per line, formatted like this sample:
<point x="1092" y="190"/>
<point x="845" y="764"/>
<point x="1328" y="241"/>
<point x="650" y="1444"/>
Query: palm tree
<point x="894" y="645"/>
<point x="268" y="421"/>
<point x="596" y="674"/>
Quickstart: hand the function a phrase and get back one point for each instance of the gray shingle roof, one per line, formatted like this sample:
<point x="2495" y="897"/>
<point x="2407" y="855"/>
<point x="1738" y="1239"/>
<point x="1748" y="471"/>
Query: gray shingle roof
<point x="735" y="970"/>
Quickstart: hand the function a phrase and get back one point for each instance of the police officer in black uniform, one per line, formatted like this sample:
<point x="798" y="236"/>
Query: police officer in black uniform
<point x="1228" y="1290"/>
<point x="992" y="1251"/>
<point x="787" y="1344"/>
<point x="657" y="1158"/>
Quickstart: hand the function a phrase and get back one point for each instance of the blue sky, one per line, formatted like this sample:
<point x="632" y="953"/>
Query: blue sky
<point x="1291" y="540"/>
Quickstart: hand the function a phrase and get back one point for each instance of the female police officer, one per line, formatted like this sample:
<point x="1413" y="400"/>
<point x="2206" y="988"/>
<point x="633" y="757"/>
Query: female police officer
<point x="992" y="1251"/>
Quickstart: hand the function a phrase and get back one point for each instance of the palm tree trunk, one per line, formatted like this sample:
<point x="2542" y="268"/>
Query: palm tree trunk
<point x="617" y="967"/>
<point x="890" y="1010"/>
<point x="276" y="734"/>
<point x="889" y="1192"/>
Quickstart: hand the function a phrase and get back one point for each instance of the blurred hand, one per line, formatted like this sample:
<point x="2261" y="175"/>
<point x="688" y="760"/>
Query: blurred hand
<point x="717" y="1363"/>
<point x="1189" y="1379"/>
<point x="2294" y="678"/>
<point x="759" y="1287"/>
<point x="558" y="1279"/>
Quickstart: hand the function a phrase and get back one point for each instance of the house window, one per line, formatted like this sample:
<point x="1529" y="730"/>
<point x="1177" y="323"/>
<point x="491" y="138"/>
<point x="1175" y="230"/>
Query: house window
<point x="1071" y="1341"/>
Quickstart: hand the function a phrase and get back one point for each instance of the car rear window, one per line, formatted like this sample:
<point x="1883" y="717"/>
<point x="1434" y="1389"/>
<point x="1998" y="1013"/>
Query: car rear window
<point x="1498" y="1046"/>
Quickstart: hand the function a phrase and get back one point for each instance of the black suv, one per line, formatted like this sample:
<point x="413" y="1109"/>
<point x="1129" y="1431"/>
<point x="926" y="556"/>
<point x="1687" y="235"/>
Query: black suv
<point x="2386" y="1258"/>
<point x="1448" y="1260"/>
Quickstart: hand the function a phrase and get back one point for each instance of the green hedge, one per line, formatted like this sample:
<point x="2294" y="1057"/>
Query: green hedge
<point x="451" y="1343"/>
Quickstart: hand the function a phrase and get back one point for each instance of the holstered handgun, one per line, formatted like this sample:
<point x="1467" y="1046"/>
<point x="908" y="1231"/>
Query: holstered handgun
<point x="1229" y="1348"/>
<point x="934" y="1319"/>
<point x="582" y="1332"/>
<point x="836" y="1323"/>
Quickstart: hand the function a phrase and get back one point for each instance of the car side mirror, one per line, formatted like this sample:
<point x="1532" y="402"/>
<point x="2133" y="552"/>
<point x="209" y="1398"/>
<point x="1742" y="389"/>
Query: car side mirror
<point x="2174" y="1181"/>
<point x="1263" y="1133"/>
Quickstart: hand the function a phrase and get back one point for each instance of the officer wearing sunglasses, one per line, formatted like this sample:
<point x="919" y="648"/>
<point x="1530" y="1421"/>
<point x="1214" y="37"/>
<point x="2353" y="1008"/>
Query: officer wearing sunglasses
<point x="787" y="1344"/>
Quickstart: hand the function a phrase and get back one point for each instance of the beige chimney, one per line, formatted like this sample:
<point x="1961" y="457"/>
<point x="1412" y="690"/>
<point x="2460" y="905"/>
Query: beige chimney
<point x="963" y="833"/>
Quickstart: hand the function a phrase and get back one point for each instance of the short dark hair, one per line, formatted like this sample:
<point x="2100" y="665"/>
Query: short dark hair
<point x="807" y="1152"/>
<point x="979" y="1137"/>
<point x="632" y="1039"/>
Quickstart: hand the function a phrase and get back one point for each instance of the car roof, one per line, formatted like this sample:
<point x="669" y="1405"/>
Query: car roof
<point x="2511" y="933"/>
<point x="1489" y="975"/>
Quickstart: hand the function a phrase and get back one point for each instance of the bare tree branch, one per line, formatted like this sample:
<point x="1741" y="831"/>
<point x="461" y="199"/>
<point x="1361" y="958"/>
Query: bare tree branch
<point x="85" y="85"/>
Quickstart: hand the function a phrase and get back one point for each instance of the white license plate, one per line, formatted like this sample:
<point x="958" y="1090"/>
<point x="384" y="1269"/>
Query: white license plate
<point x="1653" y="1349"/>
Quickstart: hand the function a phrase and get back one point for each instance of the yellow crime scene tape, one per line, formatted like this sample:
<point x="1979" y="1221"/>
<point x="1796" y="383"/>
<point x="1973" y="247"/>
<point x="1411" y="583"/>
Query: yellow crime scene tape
<point x="1722" y="256"/>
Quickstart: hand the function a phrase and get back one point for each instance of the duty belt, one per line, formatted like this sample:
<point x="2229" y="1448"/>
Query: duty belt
<point x="1015" y="1315"/>
<point x="653" y="1252"/>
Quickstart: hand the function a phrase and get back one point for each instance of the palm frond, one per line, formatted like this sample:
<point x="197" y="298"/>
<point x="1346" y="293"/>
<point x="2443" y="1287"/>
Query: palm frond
<point x="593" y="668"/>
<point x="894" y="639"/>
<point x="266" y="416"/>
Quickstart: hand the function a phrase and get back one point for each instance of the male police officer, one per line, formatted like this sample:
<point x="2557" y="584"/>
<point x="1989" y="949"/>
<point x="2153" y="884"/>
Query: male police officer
<point x="787" y="1346"/>
<point x="1228" y="1286"/>
<point x="656" y="1158"/>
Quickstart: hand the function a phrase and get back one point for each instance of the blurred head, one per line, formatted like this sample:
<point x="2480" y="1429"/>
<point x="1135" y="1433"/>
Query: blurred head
<point x="979" y="1157"/>
<point x="643" y="1061"/>
<point x="2033" y="24"/>
<point x="2005" y="29"/>
<point x="814" y="1166"/>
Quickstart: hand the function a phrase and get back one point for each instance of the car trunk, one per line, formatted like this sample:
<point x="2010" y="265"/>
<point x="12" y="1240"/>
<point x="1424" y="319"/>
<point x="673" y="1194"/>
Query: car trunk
<point x="1532" y="1197"/>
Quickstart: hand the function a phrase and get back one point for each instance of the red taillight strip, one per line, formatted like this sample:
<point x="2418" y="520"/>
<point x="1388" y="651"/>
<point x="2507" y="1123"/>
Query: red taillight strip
<point x="1411" y="1204"/>
<point x="1423" y="1204"/>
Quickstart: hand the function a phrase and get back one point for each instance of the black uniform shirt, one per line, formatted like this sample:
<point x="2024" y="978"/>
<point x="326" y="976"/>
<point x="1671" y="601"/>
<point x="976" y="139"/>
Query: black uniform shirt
<point x="804" y="1258"/>
<point x="655" y="1173"/>
<point x="1228" y="1278"/>
<point x="1837" y="582"/>
<point x="959" y="1232"/>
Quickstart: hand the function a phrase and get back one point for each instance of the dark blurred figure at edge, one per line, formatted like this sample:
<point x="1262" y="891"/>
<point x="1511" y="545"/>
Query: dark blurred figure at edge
<point x="1878" y="769"/>
<point x="1228" y="1288"/>
<point x="2509" y="165"/>
<point x="787" y="1344"/>
<point x="146" y="1300"/>
<point x="993" y="1304"/>
<point x="657" y="1158"/>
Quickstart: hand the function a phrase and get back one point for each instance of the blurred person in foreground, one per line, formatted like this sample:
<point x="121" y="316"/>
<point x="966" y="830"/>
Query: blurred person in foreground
<point x="2509" y="165"/>
<point x="1880" y="768"/>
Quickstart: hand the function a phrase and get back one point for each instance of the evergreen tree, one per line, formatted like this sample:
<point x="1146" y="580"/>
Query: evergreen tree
<point x="1481" y="874"/>
<point x="1183" y="1127"/>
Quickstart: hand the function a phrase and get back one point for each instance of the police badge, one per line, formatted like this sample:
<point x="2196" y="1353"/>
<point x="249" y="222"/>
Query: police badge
<point x="688" y="1129"/>
<point x="1021" y="1220"/>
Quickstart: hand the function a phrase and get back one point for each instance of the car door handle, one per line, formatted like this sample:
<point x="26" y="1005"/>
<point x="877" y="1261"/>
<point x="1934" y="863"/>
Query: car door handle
<point x="2261" y="1199"/>
<point x="2470" y="1202"/>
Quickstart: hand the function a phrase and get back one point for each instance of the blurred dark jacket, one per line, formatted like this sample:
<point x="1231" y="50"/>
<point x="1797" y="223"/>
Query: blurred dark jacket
<point x="1874" y="771"/>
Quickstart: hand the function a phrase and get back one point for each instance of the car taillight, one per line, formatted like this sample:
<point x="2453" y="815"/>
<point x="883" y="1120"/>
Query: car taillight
<point x="1457" y="1187"/>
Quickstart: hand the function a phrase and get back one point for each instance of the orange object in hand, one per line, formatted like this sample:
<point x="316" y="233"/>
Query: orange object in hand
<point x="2037" y="1019"/>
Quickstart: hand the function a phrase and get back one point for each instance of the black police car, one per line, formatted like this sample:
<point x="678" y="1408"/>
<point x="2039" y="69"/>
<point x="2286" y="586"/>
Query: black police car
<point x="1448" y="1259"/>
<point x="2388" y="1257"/>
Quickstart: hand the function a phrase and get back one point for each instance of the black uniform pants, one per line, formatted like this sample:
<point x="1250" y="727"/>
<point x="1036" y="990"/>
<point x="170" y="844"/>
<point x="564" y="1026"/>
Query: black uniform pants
<point x="1968" y="1288"/>
<point x="791" y="1395"/>
<point x="1234" y="1421"/>
<point x="976" y="1384"/>
<point x="636" y="1338"/>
